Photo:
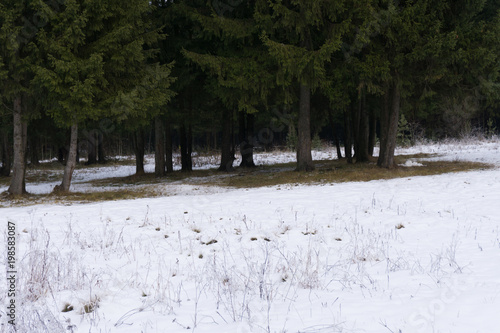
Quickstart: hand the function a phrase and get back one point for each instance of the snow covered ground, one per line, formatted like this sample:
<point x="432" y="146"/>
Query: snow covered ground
<point x="418" y="254"/>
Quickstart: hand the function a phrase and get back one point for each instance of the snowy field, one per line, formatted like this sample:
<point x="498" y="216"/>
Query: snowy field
<point x="418" y="254"/>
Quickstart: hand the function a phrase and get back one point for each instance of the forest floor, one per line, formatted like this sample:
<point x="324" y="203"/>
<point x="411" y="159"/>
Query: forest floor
<point x="116" y="179"/>
<point x="342" y="249"/>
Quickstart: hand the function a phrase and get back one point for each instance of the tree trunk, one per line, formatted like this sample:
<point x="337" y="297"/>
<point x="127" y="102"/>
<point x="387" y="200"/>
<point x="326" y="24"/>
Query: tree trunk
<point x="186" y="137"/>
<point x="34" y="147"/>
<point x="227" y="158"/>
<point x="186" y="147"/>
<point x="92" y="147"/>
<point x="372" y="139"/>
<point x="347" y="136"/>
<point x="335" y="135"/>
<point x="6" y="156"/>
<point x="159" y="148"/>
<point x="139" y="151"/>
<point x="354" y="121"/>
<point x="246" y="134"/>
<point x="189" y="159"/>
<point x="362" y="132"/>
<point x="70" y="162"/>
<point x="62" y="155"/>
<point x="389" y="125"/>
<point x="304" y="157"/>
<point x="17" y="183"/>
<point x="168" y="147"/>
<point x="101" y="155"/>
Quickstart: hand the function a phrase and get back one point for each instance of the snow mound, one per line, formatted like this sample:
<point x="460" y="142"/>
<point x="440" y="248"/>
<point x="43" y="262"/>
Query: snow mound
<point x="411" y="163"/>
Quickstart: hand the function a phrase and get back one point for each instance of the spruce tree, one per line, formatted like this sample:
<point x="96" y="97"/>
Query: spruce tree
<point x="408" y="51"/>
<point x="95" y="65"/>
<point x="240" y="69"/>
<point x="18" y="32"/>
<point x="472" y="80"/>
<point x="302" y="36"/>
<point x="184" y="109"/>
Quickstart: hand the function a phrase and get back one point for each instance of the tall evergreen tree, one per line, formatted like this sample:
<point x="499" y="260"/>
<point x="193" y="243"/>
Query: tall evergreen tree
<point x="241" y="67"/>
<point x="18" y="31"/>
<point x="184" y="113"/>
<point x="95" y="65"/>
<point x="407" y="53"/>
<point x="302" y="36"/>
<point x="4" y="129"/>
<point x="472" y="80"/>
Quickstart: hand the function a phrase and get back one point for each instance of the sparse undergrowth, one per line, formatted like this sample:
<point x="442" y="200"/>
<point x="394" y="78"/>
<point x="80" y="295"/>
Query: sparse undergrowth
<point x="327" y="172"/>
<point x="338" y="171"/>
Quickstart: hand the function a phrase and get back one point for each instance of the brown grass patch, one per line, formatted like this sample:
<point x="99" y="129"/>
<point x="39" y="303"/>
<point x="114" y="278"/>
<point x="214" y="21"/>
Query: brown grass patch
<point x="339" y="171"/>
<point x="327" y="172"/>
<point x="118" y="194"/>
<point x="7" y="200"/>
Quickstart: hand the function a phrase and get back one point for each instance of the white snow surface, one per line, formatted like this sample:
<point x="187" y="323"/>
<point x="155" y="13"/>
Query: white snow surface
<point x="419" y="254"/>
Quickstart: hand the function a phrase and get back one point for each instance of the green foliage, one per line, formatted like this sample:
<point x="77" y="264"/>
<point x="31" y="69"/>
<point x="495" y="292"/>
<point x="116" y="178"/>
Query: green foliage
<point x="291" y="138"/>
<point x="17" y="51"/>
<point x="316" y="142"/>
<point x="403" y="136"/>
<point x="80" y="60"/>
<point x="237" y="60"/>
<point x="3" y="71"/>
<point x="476" y="62"/>
<point x="137" y="106"/>
<point x="96" y="62"/>
<point x="302" y="36"/>
<point x="248" y="83"/>
<point x="491" y="128"/>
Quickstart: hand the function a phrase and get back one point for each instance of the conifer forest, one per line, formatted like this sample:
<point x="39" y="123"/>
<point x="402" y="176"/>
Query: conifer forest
<point x="81" y="80"/>
<point x="249" y="166"/>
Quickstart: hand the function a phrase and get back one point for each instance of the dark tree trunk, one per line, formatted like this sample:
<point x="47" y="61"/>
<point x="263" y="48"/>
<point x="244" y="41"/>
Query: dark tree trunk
<point x="186" y="137"/>
<point x="70" y="162"/>
<point x="335" y="135"/>
<point x="34" y="147"/>
<point x="62" y="155"/>
<point x="159" y="148"/>
<point x="354" y="118"/>
<point x="190" y="146"/>
<point x="347" y="136"/>
<point x="77" y="154"/>
<point x="168" y="147"/>
<point x="227" y="158"/>
<point x="362" y="130"/>
<point x="246" y="138"/>
<point x="304" y="157"/>
<point x="139" y="143"/>
<point x="186" y="148"/>
<point x="182" y="145"/>
<point x="92" y="144"/>
<point x="17" y="184"/>
<point x="389" y="125"/>
<point x="6" y="156"/>
<point x="372" y="140"/>
<point x="101" y="154"/>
